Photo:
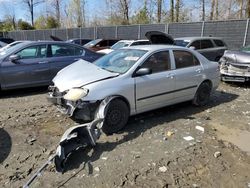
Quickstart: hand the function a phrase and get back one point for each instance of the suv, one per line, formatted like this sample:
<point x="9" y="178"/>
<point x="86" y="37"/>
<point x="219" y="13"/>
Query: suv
<point x="211" y="47"/>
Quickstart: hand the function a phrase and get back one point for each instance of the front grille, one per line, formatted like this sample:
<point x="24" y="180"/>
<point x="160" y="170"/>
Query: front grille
<point x="238" y="68"/>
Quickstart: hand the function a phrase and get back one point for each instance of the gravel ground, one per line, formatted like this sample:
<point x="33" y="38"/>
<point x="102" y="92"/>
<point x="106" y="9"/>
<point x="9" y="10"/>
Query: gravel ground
<point x="149" y="152"/>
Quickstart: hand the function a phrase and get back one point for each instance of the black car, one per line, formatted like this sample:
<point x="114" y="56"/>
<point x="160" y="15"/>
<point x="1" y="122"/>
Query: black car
<point x="7" y="40"/>
<point x="79" y="41"/>
<point x="30" y="64"/>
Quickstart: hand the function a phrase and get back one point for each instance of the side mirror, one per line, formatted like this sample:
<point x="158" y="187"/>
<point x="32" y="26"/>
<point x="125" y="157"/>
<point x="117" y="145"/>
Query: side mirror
<point x="192" y="47"/>
<point x="14" y="58"/>
<point x="142" y="72"/>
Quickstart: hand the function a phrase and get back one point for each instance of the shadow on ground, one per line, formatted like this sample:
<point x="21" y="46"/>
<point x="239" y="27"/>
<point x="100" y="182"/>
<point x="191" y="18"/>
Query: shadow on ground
<point x="23" y="92"/>
<point x="5" y="145"/>
<point x="134" y="129"/>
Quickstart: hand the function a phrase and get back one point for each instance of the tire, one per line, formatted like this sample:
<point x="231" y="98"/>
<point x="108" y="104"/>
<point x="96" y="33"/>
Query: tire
<point x="116" y="117"/>
<point x="202" y="95"/>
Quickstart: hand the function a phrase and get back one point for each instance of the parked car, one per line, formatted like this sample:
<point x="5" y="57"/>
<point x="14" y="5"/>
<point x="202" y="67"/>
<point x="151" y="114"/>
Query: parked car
<point x="133" y="80"/>
<point x="6" y="40"/>
<point x="235" y="65"/>
<point x="99" y="44"/>
<point x="124" y="43"/>
<point x="10" y="45"/>
<point x="211" y="47"/>
<point x="79" y="41"/>
<point x="30" y="64"/>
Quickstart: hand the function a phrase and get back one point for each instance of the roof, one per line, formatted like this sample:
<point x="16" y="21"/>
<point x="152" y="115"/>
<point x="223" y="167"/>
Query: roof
<point x="152" y="47"/>
<point x="195" y="38"/>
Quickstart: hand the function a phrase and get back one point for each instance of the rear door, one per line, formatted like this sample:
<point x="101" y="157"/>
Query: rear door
<point x="155" y="90"/>
<point x="207" y="49"/>
<point x="31" y="69"/>
<point x="188" y="74"/>
<point x="62" y="55"/>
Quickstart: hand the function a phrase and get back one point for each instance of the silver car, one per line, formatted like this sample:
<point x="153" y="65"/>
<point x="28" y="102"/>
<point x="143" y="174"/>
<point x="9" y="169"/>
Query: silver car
<point x="133" y="80"/>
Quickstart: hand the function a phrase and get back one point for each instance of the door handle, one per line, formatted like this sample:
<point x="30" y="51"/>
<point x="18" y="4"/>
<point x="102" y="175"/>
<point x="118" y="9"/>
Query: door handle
<point x="198" y="70"/>
<point x="171" y="76"/>
<point x="42" y="62"/>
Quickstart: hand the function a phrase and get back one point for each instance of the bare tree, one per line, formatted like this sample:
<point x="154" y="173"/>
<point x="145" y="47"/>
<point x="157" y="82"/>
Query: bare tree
<point x="124" y="6"/>
<point x="216" y="9"/>
<point x="212" y="10"/>
<point x="229" y="9"/>
<point x="177" y="10"/>
<point x="159" y="10"/>
<point x="203" y="13"/>
<point x="248" y="9"/>
<point x="172" y="10"/>
<point x="31" y="4"/>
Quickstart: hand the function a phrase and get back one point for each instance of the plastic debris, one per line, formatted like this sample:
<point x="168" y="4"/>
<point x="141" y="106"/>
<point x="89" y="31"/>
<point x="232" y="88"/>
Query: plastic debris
<point x="217" y="154"/>
<point x="200" y="128"/>
<point x="163" y="169"/>
<point x="169" y="133"/>
<point x="188" y="138"/>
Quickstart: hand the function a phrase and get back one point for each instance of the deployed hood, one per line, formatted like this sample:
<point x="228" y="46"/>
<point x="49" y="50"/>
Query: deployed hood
<point x="79" y="74"/>
<point x="157" y="37"/>
<point x="237" y="56"/>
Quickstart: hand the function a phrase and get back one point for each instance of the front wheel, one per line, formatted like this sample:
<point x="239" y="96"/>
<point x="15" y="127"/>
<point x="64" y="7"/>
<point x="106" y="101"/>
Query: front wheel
<point x="202" y="95"/>
<point x="116" y="117"/>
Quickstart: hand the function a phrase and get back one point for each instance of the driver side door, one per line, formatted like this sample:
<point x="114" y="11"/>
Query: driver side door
<point x="156" y="89"/>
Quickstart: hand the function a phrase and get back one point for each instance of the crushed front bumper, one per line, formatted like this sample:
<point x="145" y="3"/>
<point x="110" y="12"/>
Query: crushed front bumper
<point x="235" y="73"/>
<point x="79" y="110"/>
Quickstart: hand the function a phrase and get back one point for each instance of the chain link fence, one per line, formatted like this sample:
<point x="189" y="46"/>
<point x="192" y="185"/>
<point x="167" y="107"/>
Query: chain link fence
<point x="234" y="32"/>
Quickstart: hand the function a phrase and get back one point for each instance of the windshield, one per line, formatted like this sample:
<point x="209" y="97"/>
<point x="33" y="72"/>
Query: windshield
<point x="120" y="61"/>
<point x="181" y="43"/>
<point x="12" y="49"/>
<point x="119" y="45"/>
<point x="92" y="43"/>
<point x="246" y="48"/>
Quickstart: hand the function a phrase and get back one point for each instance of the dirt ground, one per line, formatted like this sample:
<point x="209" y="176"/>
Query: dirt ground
<point x="149" y="152"/>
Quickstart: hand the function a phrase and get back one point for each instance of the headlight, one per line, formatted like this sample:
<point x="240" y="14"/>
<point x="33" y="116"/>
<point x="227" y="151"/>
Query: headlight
<point x="75" y="94"/>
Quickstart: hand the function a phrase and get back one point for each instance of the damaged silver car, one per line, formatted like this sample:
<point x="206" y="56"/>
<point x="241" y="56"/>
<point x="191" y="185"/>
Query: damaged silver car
<point x="235" y="65"/>
<point x="133" y="80"/>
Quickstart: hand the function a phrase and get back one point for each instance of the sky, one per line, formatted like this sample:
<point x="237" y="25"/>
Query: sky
<point x="93" y="8"/>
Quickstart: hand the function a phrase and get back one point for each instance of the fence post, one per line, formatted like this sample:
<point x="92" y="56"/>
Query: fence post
<point x="116" y="32"/>
<point x="246" y="31"/>
<point x="202" y="29"/>
<point x="139" y="31"/>
<point x="80" y="32"/>
<point x="166" y="28"/>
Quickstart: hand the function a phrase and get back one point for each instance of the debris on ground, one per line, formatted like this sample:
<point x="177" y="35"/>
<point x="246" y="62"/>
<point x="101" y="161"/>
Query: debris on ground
<point x="188" y="138"/>
<point x="217" y="154"/>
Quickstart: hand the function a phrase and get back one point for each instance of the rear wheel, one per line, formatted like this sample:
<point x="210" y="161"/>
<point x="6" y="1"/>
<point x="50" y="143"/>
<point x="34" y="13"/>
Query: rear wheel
<point x="116" y="117"/>
<point x="202" y="95"/>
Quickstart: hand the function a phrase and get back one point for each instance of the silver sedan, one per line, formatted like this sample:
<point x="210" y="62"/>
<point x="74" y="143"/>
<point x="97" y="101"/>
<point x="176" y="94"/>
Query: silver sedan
<point x="133" y="80"/>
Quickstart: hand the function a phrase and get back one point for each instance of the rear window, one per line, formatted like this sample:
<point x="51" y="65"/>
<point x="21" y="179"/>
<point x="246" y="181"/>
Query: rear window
<point x="184" y="59"/>
<point x="219" y="42"/>
<point x="181" y="43"/>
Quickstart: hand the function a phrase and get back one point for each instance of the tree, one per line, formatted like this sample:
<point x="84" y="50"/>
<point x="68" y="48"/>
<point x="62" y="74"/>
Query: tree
<point x="212" y="10"/>
<point x="23" y="25"/>
<point x="172" y="10"/>
<point x="203" y="10"/>
<point x="31" y="4"/>
<point x="177" y="10"/>
<point x="76" y="12"/>
<point x="46" y="23"/>
<point x="142" y="16"/>
<point x="248" y="9"/>
<point x="159" y="10"/>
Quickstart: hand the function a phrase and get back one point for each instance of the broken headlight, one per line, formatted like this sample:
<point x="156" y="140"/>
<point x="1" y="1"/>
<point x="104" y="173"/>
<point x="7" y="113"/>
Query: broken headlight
<point x="75" y="94"/>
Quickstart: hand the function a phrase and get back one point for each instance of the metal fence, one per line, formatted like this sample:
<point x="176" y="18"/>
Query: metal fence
<point x="236" y="33"/>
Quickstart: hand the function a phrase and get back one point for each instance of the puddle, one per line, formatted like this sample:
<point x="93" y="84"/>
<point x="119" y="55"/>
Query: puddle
<point x="237" y="137"/>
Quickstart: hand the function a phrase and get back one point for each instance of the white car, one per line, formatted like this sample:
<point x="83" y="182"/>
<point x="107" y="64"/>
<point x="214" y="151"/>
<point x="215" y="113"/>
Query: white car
<point x="124" y="43"/>
<point x="2" y="44"/>
<point x="133" y="80"/>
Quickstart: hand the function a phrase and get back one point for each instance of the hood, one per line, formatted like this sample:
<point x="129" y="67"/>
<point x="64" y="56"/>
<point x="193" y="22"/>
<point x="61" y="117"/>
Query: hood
<point x="238" y="56"/>
<point x="79" y="74"/>
<point x="157" y="37"/>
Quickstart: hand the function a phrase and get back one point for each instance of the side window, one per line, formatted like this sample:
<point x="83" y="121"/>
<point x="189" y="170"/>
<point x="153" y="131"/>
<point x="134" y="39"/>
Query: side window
<point x="219" y="42"/>
<point x="158" y="62"/>
<point x="196" y="44"/>
<point x="184" y="59"/>
<point x="38" y="51"/>
<point x="206" y="44"/>
<point x="140" y="43"/>
<point x="62" y="50"/>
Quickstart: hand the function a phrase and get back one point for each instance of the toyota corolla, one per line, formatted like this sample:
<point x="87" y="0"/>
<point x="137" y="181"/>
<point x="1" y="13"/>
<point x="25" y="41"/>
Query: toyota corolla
<point x="133" y="80"/>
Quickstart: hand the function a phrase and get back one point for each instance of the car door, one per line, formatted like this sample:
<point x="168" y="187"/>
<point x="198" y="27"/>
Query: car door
<point x="188" y="74"/>
<point x="62" y="55"/>
<point x="207" y="49"/>
<point x="155" y="90"/>
<point x="30" y="69"/>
